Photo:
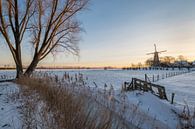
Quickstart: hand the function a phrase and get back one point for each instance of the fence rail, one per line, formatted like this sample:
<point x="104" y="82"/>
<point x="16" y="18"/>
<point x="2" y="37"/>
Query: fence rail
<point x="137" y="84"/>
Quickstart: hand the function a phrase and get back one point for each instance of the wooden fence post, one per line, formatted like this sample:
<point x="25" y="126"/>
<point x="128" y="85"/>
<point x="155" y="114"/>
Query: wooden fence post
<point x="146" y="77"/>
<point x="158" y="77"/>
<point x="153" y="78"/>
<point x="172" y="97"/>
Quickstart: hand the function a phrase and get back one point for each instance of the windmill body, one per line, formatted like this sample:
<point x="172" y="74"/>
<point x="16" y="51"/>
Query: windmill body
<point x="156" y="60"/>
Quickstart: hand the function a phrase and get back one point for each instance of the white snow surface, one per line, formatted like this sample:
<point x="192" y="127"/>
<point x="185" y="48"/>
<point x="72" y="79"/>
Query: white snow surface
<point x="9" y="115"/>
<point x="115" y="77"/>
<point x="161" y="111"/>
<point x="183" y="86"/>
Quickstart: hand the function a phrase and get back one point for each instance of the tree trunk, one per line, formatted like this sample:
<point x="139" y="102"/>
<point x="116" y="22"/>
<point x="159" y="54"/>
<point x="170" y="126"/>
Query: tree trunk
<point x="19" y="71"/>
<point x="19" y="67"/>
<point x="31" y="67"/>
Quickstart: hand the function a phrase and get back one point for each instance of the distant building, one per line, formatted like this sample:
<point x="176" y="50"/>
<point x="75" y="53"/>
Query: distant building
<point x="193" y="63"/>
<point x="182" y="63"/>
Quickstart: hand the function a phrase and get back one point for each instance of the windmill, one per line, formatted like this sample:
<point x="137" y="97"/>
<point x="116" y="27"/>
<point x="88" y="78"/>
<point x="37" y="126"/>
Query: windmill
<point x="156" y="61"/>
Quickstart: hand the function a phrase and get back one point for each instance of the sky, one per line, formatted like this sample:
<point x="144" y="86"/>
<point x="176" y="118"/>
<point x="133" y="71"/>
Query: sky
<point x="120" y="32"/>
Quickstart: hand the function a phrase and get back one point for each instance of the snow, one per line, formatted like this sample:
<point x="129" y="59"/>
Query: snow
<point x="9" y="115"/>
<point x="152" y="111"/>
<point x="143" y="109"/>
<point x="156" y="112"/>
<point x="160" y="110"/>
<point x="183" y="86"/>
<point x="111" y="77"/>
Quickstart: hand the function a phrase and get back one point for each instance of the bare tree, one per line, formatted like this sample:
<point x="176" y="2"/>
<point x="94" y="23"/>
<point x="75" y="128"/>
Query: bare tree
<point x="149" y="62"/>
<point x="167" y="59"/>
<point x="13" y="26"/>
<point x="51" y="24"/>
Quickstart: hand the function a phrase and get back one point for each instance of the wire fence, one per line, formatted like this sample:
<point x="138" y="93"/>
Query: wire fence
<point x="158" y="77"/>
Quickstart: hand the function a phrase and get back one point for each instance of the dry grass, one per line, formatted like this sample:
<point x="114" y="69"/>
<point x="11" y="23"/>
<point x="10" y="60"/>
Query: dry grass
<point x="50" y="105"/>
<point x="187" y="117"/>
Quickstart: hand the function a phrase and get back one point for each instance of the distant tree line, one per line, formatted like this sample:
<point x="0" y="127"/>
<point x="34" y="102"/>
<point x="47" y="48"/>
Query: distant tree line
<point x="170" y="61"/>
<point x="165" y="62"/>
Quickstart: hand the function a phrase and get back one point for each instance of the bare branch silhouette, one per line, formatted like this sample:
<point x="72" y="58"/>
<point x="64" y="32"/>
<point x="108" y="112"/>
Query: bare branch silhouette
<point x="51" y="24"/>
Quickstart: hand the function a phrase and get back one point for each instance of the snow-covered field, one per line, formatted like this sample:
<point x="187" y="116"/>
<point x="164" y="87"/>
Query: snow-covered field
<point x="158" y="110"/>
<point x="182" y="85"/>
<point x="112" y="77"/>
